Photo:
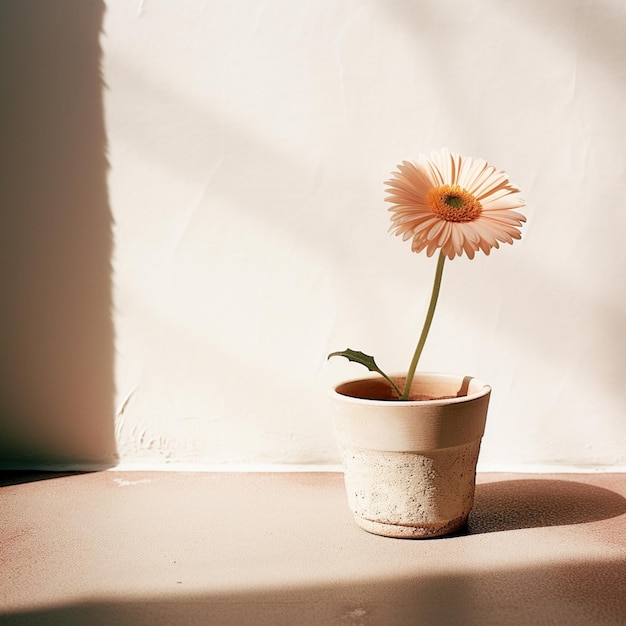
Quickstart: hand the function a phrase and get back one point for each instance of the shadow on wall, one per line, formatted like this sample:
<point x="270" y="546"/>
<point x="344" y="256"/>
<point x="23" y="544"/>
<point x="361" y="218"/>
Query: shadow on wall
<point x="56" y="330"/>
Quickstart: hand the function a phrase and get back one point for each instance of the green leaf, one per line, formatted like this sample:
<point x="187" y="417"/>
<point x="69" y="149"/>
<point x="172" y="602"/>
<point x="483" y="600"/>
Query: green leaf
<point x="366" y="360"/>
<point x="358" y="357"/>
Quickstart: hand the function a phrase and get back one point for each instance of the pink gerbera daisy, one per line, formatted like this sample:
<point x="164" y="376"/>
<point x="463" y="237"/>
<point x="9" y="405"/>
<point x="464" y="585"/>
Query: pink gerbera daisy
<point x="453" y="203"/>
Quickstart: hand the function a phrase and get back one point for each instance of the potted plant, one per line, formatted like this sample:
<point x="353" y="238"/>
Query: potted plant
<point x="410" y="442"/>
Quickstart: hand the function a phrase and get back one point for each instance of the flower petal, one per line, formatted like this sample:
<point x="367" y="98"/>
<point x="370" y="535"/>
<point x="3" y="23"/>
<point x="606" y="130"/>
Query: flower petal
<point x="417" y="216"/>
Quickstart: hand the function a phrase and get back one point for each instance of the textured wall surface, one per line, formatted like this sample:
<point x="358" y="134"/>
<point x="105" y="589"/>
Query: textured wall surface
<point x="247" y="145"/>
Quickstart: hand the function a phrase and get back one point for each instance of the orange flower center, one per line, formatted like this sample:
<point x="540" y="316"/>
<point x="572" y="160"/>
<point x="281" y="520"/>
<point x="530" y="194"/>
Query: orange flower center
<point x="454" y="204"/>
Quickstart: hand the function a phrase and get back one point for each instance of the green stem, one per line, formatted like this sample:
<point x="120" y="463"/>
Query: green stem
<point x="395" y="387"/>
<point x="427" y="322"/>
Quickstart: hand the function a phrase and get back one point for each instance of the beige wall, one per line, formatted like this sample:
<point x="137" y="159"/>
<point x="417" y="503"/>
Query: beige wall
<point x="241" y="232"/>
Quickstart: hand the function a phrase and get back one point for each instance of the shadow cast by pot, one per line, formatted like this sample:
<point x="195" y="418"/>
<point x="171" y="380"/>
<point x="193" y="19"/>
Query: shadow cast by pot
<point x="536" y="503"/>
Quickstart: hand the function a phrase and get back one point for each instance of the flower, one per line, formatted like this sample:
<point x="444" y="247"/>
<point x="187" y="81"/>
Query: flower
<point x="453" y="203"/>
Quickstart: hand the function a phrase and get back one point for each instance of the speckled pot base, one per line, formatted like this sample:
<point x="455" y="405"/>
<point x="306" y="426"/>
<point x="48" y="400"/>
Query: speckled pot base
<point x="423" y="531"/>
<point x="408" y="494"/>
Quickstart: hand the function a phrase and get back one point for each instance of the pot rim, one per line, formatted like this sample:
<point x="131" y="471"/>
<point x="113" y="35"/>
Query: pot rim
<point x="483" y="390"/>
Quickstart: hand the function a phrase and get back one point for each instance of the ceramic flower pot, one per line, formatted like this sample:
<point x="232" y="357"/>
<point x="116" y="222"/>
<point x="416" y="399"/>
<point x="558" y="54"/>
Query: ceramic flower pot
<point x="410" y="466"/>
